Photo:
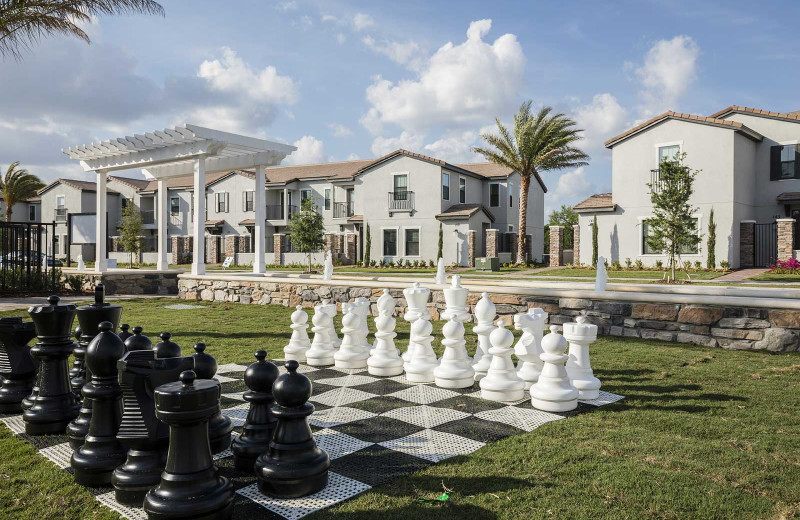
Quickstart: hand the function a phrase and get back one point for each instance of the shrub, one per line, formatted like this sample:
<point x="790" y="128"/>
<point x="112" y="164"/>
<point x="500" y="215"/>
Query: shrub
<point x="725" y="265"/>
<point x="615" y="265"/>
<point x="790" y="266"/>
<point x="639" y="265"/>
<point x="431" y="263"/>
<point x="391" y="263"/>
<point x="74" y="282"/>
<point x="697" y="265"/>
<point x="687" y="265"/>
<point x="659" y="264"/>
<point x="628" y="263"/>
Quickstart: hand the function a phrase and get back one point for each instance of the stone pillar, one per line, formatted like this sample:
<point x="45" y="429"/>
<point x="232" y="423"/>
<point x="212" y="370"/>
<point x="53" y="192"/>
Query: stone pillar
<point x="350" y="250"/>
<point x="785" y="238"/>
<point x="213" y="253"/>
<point x="231" y="244"/>
<point x="512" y="242"/>
<point x="471" y="246"/>
<point x="492" y="238"/>
<point x="556" y="246"/>
<point x="747" y="243"/>
<point x="576" y="244"/>
<point x="278" y="247"/>
<point x="329" y="243"/>
<point x="177" y="246"/>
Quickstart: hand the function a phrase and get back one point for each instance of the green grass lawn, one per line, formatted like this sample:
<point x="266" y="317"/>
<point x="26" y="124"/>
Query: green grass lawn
<point x="775" y="277"/>
<point x="649" y="275"/>
<point x="702" y="434"/>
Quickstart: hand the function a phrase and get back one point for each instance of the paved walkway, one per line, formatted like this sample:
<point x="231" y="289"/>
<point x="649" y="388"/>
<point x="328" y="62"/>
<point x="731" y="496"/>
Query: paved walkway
<point x="9" y="304"/>
<point x="740" y="275"/>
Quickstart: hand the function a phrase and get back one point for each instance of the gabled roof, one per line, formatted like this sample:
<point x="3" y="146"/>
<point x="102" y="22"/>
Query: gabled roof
<point x="463" y="211"/>
<point x="78" y="185"/>
<point x="692" y="118"/>
<point x="137" y="184"/>
<point x="599" y="201"/>
<point x="734" y="109"/>
<point x="187" y="181"/>
<point x="333" y="170"/>
<point x="492" y="170"/>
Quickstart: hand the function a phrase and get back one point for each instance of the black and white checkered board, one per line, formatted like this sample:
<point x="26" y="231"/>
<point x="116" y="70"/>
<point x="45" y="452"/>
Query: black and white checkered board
<point x="374" y="429"/>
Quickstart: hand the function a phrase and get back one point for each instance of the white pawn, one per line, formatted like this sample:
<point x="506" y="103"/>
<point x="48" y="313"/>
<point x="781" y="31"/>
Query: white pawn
<point x="384" y="360"/>
<point x="330" y="310"/>
<point x="81" y="265"/>
<point x="423" y="361"/>
<point x="529" y="347"/>
<point x="441" y="275"/>
<point x="579" y="369"/>
<point x="417" y="308"/>
<point x="553" y="391"/>
<point x="299" y="342"/>
<point x="454" y="370"/>
<point x="455" y="298"/>
<point x="351" y="354"/>
<point x="501" y="382"/>
<point x="485" y="312"/>
<point x="321" y="352"/>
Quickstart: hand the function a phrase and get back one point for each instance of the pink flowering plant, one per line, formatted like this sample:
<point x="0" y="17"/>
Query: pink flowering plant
<point x="790" y="266"/>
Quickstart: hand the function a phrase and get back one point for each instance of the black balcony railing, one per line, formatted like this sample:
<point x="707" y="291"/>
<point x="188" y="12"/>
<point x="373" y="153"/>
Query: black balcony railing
<point x="148" y="217"/>
<point x="401" y="200"/>
<point x="60" y="215"/>
<point x="342" y="209"/>
<point x="277" y="212"/>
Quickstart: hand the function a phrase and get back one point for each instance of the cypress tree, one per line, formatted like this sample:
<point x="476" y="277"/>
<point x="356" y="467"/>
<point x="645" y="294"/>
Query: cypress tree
<point x="711" y="244"/>
<point x="594" y="242"/>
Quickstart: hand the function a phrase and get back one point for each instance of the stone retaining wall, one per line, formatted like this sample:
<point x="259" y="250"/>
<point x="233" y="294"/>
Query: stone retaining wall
<point x="730" y="327"/>
<point x="132" y="283"/>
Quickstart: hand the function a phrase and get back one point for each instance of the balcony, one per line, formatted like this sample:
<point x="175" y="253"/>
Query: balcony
<point x="148" y="217"/>
<point x="342" y="209"/>
<point x="277" y="212"/>
<point x="401" y="200"/>
<point x="60" y="214"/>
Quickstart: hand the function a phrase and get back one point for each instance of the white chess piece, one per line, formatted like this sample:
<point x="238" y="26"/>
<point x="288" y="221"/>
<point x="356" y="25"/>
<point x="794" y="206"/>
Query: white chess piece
<point x="529" y="347"/>
<point x="579" y="369"/>
<point x="423" y="359"/>
<point x="361" y="308"/>
<point x="384" y="360"/>
<point x="454" y="370"/>
<point x="351" y="354"/>
<point x="441" y="275"/>
<point x="416" y="309"/>
<point x="485" y="312"/>
<point x="321" y="352"/>
<point x="553" y="391"/>
<point x="455" y="298"/>
<point x="330" y="310"/>
<point x="327" y="269"/>
<point x="601" y="279"/>
<point x="299" y="342"/>
<point x="81" y="265"/>
<point x="502" y="382"/>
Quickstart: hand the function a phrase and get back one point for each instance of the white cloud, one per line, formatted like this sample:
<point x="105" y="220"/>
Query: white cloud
<point x="668" y="70"/>
<point x="291" y="5"/>
<point x="353" y="157"/>
<point x="406" y="140"/>
<point x="372" y="121"/>
<point x="404" y="53"/>
<point x="232" y="75"/>
<point x="310" y="150"/>
<point x="340" y="38"/>
<point x="340" y="130"/>
<point x="362" y="21"/>
<point x="461" y="84"/>
<point x="455" y="147"/>
<point x="600" y="119"/>
<point x="572" y="187"/>
<point x="328" y="18"/>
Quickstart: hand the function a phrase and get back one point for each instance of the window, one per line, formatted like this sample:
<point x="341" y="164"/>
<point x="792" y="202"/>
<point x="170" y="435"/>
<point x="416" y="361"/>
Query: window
<point x="510" y="195"/>
<point x="175" y="206"/>
<point x="304" y="195"/>
<point x="462" y="190"/>
<point x="389" y="242"/>
<point x="222" y="201"/>
<point x="400" y="187"/>
<point x="32" y="213"/>
<point x="328" y="199"/>
<point x="647" y="250"/>
<point x="494" y="195"/>
<point x="510" y="228"/>
<point x="60" y="201"/>
<point x="785" y="162"/>
<point x="56" y="245"/>
<point x="445" y="186"/>
<point x="248" y="200"/>
<point x="668" y="153"/>
<point x="412" y="242"/>
<point x="124" y="202"/>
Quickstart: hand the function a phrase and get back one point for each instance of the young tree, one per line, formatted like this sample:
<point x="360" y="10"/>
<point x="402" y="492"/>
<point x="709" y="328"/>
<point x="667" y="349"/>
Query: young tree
<point x="441" y="242"/>
<point x="130" y="230"/>
<point x="367" y="246"/>
<point x="17" y="185"/>
<point x="307" y="230"/>
<point x="538" y="143"/>
<point x="711" y="242"/>
<point x="567" y="217"/>
<point x="594" y="242"/>
<point x="673" y="228"/>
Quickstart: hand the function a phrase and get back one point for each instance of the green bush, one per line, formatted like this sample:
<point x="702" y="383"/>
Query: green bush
<point x="628" y="263"/>
<point x="639" y="265"/>
<point x="697" y="265"/>
<point x="659" y="264"/>
<point x="725" y="265"/>
<point x="616" y="266"/>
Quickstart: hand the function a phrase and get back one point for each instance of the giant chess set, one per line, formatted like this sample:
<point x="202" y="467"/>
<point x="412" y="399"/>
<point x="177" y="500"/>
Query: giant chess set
<point x="154" y="433"/>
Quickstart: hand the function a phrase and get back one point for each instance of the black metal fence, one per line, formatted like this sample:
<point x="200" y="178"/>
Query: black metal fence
<point x="27" y="257"/>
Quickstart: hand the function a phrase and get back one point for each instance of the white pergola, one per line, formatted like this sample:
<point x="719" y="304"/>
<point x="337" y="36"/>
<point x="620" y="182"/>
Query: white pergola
<point x="182" y="150"/>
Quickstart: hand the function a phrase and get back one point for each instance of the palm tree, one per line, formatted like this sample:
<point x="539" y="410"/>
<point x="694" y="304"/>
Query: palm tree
<point x="18" y="185"/>
<point x="540" y="142"/>
<point x="24" y="22"/>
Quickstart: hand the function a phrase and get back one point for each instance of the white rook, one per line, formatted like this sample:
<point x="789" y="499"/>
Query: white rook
<point x="580" y="335"/>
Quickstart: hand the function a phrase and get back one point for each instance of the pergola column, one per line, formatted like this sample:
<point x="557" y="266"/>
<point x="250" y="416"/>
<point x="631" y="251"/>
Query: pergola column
<point x="163" y="225"/>
<point x="259" y="244"/>
<point x="100" y="264"/>
<point x="199" y="224"/>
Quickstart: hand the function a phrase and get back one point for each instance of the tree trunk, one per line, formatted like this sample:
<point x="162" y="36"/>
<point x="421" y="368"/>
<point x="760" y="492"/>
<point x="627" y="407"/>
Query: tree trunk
<point x="524" y="186"/>
<point x="9" y="211"/>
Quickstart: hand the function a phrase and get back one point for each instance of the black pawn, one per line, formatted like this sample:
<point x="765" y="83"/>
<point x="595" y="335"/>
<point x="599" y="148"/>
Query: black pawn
<point x="94" y="462"/>
<point x="260" y="424"/>
<point x="219" y="426"/>
<point x="293" y="466"/>
<point x="167" y="348"/>
<point x="54" y="405"/>
<point x="138" y="341"/>
<point x="17" y="367"/>
<point x="78" y="370"/>
<point x="124" y="332"/>
<point x="190" y="487"/>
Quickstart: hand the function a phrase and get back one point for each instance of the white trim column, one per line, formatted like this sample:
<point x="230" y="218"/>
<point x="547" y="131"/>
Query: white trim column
<point x="162" y="200"/>
<point x="199" y="224"/>
<point x="259" y="229"/>
<point x="101" y="220"/>
<point x="286" y="204"/>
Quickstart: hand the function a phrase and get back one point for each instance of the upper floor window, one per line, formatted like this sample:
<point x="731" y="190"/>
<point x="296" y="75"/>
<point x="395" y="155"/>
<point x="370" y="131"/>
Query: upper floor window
<point x="784" y="162"/>
<point x="222" y="201"/>
<point x="60" y="201"/>
<point x="124" y="203"/>
<point x="304" y="195"/>
<point x="175" y="205"/>
<point x="494" y="195"/>
<point x="462" y="190"/>
<point x="510" y="195"/>
<point x="248" y="200"/>
<point x="32" y="213"/>
<point x="327" y="199"/>
<point x="445" y="186"/>
<point x="668" y="153"/>
<point x="400" y="187"/>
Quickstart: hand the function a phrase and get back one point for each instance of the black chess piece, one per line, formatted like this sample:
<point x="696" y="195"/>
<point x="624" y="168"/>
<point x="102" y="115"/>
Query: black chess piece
<point x="293" y="466"/>
<point x="54" y="405"/>
<point x="260" y="424"/>
<point x="124" y="332"/>
<point x="138" y="341"/>
<point x="190" y="487"/>
<point x="17" y="367"/>
<point x="219" y="426"/>
<point x="77" y="372"/>
<point x="166" y="347"/>
<point x="95" y="460"/>
<point x="90" y="317"/>
<point x="146" y="438"/>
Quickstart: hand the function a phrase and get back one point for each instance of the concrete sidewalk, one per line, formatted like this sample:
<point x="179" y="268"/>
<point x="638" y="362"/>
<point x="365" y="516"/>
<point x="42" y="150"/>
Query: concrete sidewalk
<point x="22" y="303"/>
<point x="741" y="275"/>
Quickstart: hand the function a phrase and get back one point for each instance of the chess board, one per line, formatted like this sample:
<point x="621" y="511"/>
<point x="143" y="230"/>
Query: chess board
<point x="374" y="429"/>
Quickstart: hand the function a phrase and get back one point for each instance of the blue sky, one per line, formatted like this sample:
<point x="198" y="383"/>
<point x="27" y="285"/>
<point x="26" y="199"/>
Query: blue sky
<point x="357" y="79"/>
